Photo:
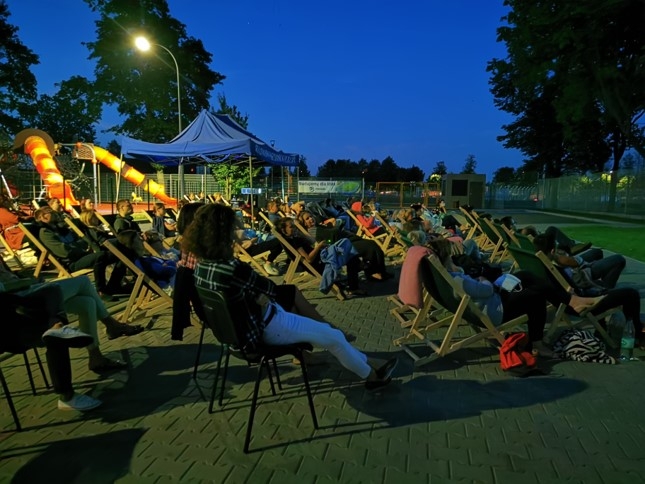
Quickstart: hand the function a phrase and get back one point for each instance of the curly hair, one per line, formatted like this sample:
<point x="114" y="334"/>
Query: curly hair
<point x="282" y="223"/>
<point x="211" y="233"/>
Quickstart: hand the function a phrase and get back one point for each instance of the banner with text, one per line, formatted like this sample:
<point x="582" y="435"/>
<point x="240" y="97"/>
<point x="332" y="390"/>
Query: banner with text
<point x="328" y="186"/>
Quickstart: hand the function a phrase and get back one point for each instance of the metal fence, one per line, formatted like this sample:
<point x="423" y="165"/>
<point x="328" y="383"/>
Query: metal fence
<point x="576" y="193"/>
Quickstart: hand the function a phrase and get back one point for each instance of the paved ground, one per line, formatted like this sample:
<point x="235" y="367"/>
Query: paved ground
<point x="459" y="419"/>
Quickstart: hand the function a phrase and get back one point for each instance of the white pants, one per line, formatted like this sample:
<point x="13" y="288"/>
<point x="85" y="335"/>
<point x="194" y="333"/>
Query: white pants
<point x="289" y="328"/>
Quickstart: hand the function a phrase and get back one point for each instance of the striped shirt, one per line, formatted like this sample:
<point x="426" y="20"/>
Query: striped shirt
<point x="241" y="286"/>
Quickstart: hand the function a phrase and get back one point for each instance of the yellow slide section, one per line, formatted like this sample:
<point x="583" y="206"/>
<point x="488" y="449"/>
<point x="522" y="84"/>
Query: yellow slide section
<point x="36" y="147"/>
<point x="132" y="175"/>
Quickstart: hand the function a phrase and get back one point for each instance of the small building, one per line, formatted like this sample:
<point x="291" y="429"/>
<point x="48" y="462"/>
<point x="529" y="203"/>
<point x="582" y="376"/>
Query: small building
<point x="459" y="190"/>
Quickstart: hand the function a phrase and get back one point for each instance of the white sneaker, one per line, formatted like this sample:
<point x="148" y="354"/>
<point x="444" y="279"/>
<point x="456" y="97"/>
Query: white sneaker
<point x="71" y="337"/>
<point x="271" y="269"/>
<point x="79" y="402"/>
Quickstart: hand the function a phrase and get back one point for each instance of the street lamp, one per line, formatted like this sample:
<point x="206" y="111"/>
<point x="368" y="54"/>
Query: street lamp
<point x="144" y="45"/>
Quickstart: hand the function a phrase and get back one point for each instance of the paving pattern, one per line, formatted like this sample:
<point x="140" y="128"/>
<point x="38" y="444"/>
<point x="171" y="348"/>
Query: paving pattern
<point x="458" y="419"/>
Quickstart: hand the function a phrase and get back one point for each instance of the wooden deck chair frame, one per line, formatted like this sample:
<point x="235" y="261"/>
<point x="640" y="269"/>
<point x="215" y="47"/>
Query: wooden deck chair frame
<point x="253" y="260"/>
<point x="310" y="278"/>
<point x="500" y="252"/>
<point x="382" y="240"/>
<point x="519" y="240"/>
<point x="476" y="233"/>
<point x="45" y="254"/>
<point x="400" y="246"/>
<point x="11" y="252"/>
<point x="151" y="250"/>
<point x="459" y="308"/>
<point x="540" y="265"/>
<point x="142" y="302"/>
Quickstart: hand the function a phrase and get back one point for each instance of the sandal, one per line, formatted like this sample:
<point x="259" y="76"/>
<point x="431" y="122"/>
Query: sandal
<point x="122" y="329"/>
<point x="107" y="365"/>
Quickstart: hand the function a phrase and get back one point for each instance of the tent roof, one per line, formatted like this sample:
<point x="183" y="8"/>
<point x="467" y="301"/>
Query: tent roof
<point x="209" y="138"/>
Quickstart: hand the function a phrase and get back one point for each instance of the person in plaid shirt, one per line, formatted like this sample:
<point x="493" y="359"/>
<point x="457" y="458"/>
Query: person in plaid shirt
<point x="252" y="298"/>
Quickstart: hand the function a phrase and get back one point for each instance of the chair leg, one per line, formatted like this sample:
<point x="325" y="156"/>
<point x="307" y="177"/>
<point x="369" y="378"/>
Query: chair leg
<point x="42" y="370"/>
<point x="277" y="375"/>
<point x="221" y="392"/>
<point x="199" y="350"/>
<point x="270" y="375"/>
<point x="254" y="401"/>
<point x="5" y="389"/>
<point x="305" y="377"/>
<point x="29" y="374"/>
<point x="214" y="390"/>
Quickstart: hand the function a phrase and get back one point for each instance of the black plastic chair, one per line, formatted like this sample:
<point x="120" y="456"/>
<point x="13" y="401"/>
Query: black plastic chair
<point x="221" y="324"/>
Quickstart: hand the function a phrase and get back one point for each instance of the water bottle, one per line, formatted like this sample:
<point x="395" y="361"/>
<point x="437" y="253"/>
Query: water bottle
<point x="627" y="338"/>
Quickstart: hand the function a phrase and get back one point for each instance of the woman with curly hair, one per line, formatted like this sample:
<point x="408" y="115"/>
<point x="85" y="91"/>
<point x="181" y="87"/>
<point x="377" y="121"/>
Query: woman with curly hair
<point x="253" y="298"/>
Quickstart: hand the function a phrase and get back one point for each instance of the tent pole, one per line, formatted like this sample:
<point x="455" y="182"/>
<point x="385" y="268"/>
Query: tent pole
<point x="251" y="186"/>
<point x="180" y="175"/>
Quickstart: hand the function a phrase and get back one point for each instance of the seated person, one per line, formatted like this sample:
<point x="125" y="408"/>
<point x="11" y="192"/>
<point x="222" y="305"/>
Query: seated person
<point x="368" y="222"/>
<point x="164" y="225"/>
<point x="605" y="272"/>
<point x="77" y="254"/>
<point x="79" y="297"/>
<point x="562" y="241"/>
<point x="249" y="242"/>
<point x="162" y="271"/>
<point x="368" y="250"/>
<point x="252" y="299"/>
<point x="87" y="204"/>
<point x="9" y="220"/>
<point x="94" y="229"/>
<point x="311" y="251"/>
<point x="124" y="220"/>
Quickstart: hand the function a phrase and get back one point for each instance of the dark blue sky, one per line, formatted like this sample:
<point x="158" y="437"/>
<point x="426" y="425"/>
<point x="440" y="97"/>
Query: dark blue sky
<point x="336" y="79"/>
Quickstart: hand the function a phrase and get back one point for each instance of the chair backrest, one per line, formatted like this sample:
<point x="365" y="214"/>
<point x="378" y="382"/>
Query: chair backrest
<point x="528" y="261"/>
<point x="443" y="289"/>
<point x="218" y="318"/>
<point x="490" y="231"/>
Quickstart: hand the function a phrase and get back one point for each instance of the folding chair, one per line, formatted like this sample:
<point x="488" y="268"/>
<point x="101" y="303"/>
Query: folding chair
<point x="541" y="266"/>
<point x="254" y="260"/>
<point x="224" y="329"/>
<point x="475" y="232"/>
<point x="31" y="232"/>
<point x="447" y="294"/>
<point x="413" y="303"/>
<point x="495" y="239"/>
<point x="382" y="240"/>
<point x="310" y="278"/>
<point x="11" y="253"/>
<point x="147" y="298"/>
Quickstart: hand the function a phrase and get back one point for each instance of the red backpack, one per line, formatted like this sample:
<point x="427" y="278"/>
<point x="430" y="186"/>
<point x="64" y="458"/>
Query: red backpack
<point x="513" y="354"/>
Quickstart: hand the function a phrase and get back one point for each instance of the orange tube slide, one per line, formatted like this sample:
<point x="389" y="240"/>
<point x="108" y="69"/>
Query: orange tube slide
<point x="57" y="187"/>
<point x="132" y="175"/>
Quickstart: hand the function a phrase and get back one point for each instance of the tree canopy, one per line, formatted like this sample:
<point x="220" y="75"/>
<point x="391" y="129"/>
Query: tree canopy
<point x="573" y="80"/>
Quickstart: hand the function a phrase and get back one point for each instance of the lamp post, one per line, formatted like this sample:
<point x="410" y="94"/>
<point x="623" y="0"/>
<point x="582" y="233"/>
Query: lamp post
<point x="144" y="45"/>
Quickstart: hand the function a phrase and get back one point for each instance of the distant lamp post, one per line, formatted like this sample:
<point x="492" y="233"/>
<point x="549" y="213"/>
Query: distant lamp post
<point x="144" y="45"/>
<point x="363" y="185"/>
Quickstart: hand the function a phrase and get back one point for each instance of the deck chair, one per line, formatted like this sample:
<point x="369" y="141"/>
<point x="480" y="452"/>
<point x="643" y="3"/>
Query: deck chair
<point x="459" y="307"/>
<point x="383" y="240"/>
<point x="311" y="277"/>
<point x="400" y="246"/>
<point x="475" y="232"/>
<point x="541" y="266"/>
<point x="147" y="298"/>
<point x="220" y="322"/>
<point x="11" y="253"/>
<point x="254" y="260"/>
<point x="108" y="221"/>
<point x="496" y="239"/>
<point x="413" y="304"/>
<point x="31" y="232"/>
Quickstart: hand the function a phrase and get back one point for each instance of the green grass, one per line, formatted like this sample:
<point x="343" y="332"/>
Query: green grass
<point x="629" y="242"/>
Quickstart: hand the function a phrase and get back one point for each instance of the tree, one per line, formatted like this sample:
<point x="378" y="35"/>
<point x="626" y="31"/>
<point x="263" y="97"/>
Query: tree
<point x="70" y="114"/>
<point x="469" y="165"/>
<point x="581" y="63"/>
<point x="504" y="175"/>
<point x="143" y="86"/>
<point x="302" y="170"/>
<point x="234" y="177"/>
<point x="232" y="111"/>
<point x="439" y="169"/>
<point x="18" y="86"/>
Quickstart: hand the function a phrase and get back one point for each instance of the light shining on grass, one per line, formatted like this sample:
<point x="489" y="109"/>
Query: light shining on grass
<point x="629" y="242"/>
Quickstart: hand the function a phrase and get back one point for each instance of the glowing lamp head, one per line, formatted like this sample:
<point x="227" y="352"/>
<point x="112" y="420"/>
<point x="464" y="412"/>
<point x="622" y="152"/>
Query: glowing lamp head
<point x="142" y="44"/>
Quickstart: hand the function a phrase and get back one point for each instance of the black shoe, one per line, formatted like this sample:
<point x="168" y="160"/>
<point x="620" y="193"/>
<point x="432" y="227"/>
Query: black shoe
<point x="122" y="329"/>
<point x="383" y="375"/>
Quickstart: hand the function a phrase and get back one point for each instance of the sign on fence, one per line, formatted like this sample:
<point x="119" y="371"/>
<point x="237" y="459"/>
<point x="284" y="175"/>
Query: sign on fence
<point x="328" y="186"/>
<point x="251" y="191"/>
